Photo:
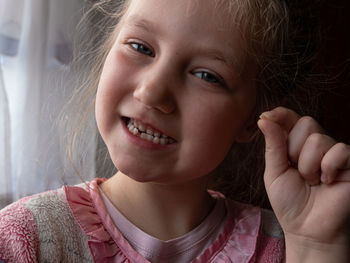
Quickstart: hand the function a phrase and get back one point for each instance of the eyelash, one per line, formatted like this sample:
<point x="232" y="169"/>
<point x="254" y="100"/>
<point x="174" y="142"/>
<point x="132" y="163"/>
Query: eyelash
<point x="203" y="75"/>
<point x="141" y="48"/>
<point x="208" y="77"/>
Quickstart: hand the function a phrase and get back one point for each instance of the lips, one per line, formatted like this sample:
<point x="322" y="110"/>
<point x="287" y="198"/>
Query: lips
<point x="147" y="133"/>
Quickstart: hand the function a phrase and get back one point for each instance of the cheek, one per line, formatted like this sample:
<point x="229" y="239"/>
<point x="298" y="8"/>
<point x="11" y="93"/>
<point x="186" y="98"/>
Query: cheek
<point x="216" y="120"/>
<point x="210" y="134"/>
<point x="116" y="69"/>
<point x="105" y="106"/>
<point x="112" y="88"/>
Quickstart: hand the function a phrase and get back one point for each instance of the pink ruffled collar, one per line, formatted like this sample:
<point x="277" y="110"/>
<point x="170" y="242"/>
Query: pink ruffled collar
<point x="237" y="242"/>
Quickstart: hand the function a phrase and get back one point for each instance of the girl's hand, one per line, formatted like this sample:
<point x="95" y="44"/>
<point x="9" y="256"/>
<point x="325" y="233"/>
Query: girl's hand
<point x="307" y="178"/>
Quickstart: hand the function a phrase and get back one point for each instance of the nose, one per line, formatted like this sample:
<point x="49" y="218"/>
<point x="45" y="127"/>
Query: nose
<point x="155" y="91"/>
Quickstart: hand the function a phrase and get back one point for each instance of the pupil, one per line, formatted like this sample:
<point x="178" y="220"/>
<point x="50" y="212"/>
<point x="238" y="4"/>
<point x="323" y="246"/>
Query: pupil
<point x="209" y="77"/>
<point x="144" y="49"/>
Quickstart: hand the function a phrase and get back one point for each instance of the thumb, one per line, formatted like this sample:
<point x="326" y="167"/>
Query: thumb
<point x="276" y="160"/>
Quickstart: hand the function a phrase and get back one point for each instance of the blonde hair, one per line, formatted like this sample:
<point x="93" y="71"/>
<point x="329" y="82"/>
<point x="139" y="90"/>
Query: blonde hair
<point x="279" y="37"/>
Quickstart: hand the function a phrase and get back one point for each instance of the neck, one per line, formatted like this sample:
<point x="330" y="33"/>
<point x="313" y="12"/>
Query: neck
<point x="163" y="211"/>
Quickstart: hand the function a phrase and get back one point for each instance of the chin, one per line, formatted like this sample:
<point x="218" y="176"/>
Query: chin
<point x="134" y="172"/>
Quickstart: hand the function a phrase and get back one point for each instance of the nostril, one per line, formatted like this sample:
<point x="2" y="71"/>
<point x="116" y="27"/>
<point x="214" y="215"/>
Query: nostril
<point x="152" y="100"/>
<point x="167" y="107"/>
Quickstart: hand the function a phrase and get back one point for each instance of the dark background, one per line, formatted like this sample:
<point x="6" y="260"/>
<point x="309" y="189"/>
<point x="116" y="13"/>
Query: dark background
<point x="334" y="62"/>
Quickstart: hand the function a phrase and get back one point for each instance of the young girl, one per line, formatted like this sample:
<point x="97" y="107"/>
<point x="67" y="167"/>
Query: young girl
<point x="181" y="85"/>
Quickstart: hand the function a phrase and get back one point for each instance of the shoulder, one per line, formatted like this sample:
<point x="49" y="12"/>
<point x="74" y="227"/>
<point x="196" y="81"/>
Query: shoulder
<point x="51" y="229"/>
<point x="251" y="234"/>
<point x="18" y="233"/>
<point x="59" y="234"/>
<point x="264" y="218"/>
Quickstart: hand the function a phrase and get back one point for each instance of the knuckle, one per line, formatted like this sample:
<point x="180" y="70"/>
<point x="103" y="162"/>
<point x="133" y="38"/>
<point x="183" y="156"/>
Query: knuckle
<point x="307" y="121"/>
<point x="315" y="139"/>
<point x="280" y="108"/>
<point x="341" y="148"/>
<point x="310" y="125"/>
<point x="283" y="111"/>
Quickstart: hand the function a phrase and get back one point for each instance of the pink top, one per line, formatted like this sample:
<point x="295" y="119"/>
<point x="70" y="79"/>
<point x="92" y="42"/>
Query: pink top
<point x="181" y="249"/>
<point x="73" y="225"/>
<point x="236" y="243"/>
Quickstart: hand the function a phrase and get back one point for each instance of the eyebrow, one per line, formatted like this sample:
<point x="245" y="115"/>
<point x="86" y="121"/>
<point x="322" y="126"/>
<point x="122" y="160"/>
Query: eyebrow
<point x="218" y="55"/>
<point x="141" y="23"/>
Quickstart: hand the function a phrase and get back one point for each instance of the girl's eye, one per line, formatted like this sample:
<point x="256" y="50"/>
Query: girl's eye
<point x="207" y="77"/>
<point x="142" y="49"/>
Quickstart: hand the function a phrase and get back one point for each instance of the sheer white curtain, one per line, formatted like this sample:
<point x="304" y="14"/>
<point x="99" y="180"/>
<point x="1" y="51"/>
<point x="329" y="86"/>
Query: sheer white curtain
<point x="35" y="49"/>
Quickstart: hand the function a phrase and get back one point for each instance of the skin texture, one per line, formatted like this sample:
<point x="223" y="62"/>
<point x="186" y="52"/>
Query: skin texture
<point x="156" y="72"/>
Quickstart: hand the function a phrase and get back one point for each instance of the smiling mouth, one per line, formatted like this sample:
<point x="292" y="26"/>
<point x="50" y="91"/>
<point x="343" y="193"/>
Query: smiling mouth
<point x="147" y="133"/>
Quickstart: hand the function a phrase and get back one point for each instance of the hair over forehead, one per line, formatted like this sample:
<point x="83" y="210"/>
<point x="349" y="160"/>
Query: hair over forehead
<point x="264" y="23"/>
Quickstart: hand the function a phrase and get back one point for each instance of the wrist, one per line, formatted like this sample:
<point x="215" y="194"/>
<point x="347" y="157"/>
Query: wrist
<point x="303" y="249"/>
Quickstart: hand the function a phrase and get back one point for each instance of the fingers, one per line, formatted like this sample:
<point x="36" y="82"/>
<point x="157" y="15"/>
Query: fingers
<point x="300" y="142"/>
<point x="302" y="130"/>
<point x="311" y="155"/>
<point x="322" y="159"/>
<point x="298" y="129"/>
<point x="335" y="164"/>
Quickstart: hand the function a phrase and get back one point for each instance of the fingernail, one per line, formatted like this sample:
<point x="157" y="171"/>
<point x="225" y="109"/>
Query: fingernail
<point x="267" y="115"/>
<point x="324" y="178"/>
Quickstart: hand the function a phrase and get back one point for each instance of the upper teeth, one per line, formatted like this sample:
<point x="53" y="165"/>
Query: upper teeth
<point x="147" y="133"/>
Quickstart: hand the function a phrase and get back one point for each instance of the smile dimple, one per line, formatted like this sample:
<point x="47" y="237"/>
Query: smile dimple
<point x="147" y="133"/>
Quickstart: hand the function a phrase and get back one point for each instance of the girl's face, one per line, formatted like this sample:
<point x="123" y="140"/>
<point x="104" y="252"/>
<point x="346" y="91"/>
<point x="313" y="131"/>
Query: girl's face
<point x="177" y="69"/>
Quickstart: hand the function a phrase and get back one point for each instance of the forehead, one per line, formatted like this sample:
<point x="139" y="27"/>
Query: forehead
<point x="209" y="22"/>
<point x="210" y="13"/>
